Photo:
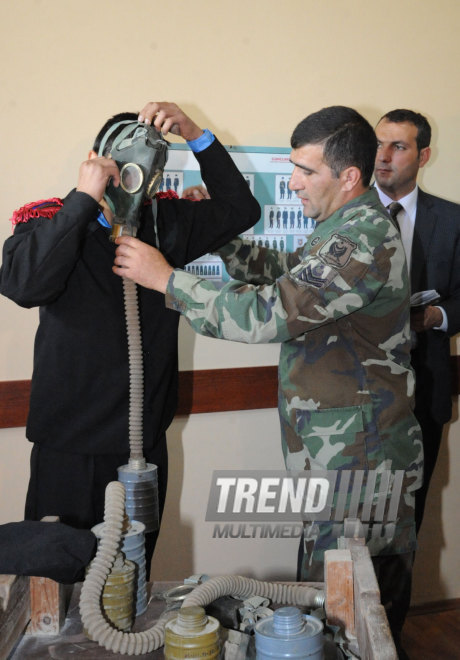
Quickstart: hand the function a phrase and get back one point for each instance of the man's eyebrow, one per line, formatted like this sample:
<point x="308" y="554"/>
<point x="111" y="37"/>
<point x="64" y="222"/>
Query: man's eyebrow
<point x="393" y="142"/>
<point x="302" y="167"/>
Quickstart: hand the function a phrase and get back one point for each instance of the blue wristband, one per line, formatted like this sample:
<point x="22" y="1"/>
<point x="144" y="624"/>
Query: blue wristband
<point x="201" y="143"/>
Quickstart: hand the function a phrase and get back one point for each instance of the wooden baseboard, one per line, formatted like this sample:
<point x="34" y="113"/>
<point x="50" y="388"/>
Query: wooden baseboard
<point x="436" y="606"/>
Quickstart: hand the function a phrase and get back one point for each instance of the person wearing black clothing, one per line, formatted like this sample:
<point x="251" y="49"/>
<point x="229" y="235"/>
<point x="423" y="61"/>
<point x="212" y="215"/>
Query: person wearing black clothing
<point x="430" y="231"/>
<point x="60" y="258"/>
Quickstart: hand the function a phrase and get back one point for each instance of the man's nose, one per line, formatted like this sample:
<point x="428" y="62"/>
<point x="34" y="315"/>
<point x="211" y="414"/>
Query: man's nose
<point x="292" y="183"/>
<point x="384" y="154"/>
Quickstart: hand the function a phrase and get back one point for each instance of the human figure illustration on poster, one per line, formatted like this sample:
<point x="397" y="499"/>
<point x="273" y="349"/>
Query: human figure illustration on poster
<point x="267" y="172"/>
<point x="172" y="180"/>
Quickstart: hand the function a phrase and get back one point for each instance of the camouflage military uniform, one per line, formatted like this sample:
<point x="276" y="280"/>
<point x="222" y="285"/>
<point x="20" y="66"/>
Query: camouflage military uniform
<point x="340" y="308"/>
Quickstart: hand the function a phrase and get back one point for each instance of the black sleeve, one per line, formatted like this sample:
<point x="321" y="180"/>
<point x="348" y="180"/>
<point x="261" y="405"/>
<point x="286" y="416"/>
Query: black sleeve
<point x="450" y="301"/>
<point x="187" y="229"/>
<point x="42" y="252"/>
<point x="46" y="549"/>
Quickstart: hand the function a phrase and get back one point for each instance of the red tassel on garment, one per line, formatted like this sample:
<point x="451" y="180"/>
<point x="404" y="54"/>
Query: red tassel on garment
<point x="45" y="208"/>
<point x="168" y="194"/>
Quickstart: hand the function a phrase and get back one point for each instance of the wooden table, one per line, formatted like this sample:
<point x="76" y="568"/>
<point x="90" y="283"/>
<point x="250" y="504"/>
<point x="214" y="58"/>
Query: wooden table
<point x="352" y="603"/>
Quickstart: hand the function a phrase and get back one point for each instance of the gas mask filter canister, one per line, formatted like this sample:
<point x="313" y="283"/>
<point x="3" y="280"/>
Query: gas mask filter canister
<point x="140" y="153"/>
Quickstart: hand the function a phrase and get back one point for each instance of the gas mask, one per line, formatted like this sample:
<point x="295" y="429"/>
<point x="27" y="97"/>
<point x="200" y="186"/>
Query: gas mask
<point x="140" y="153"/>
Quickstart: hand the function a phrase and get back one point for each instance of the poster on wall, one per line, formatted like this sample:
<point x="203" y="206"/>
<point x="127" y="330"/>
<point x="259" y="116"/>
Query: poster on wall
<point x="282" y="225"/>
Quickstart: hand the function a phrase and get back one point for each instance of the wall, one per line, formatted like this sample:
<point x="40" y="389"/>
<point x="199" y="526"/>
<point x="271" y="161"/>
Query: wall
<point x="249" y="71"/>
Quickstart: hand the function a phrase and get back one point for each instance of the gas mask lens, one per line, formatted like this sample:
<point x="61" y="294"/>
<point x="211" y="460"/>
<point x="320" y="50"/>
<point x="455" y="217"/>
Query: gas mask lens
<point x="131" y="177"/>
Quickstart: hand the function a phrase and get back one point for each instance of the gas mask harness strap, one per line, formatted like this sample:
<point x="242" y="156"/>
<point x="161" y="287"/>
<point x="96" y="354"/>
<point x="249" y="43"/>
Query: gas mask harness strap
<point x="112" y="129"/>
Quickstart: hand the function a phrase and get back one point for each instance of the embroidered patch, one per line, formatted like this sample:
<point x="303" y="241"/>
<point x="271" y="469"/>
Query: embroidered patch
<point x="315" y="274"/>
<point x="337" y="251"/>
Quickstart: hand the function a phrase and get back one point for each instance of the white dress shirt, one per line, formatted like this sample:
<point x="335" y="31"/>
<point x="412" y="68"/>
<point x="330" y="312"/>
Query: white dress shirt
<point x="406" y="221"/>
<point x="405" y="218"/>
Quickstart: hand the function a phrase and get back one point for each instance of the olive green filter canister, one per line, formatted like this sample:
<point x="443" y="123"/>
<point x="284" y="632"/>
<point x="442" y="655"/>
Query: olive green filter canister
<point x="192" y="634"/>
<point x="118" y="594"/>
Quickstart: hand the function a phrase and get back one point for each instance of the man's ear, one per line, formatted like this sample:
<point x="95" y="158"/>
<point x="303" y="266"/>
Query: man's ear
<point x="92" y="154"/>
<point x="424" y="156"/>
<point x="350" y="178"/>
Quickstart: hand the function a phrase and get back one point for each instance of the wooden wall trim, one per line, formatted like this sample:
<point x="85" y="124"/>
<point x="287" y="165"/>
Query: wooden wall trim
<point x="14" y="403"/>
<point x="219" y="390"/>
<point x="202" y="391"/>
<point x="207" y="390"/>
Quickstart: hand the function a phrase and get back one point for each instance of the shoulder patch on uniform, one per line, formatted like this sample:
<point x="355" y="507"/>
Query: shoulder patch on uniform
<point x="314" y="273"/>
<point x="337" y="251"/>
<point x="45" y="208"/>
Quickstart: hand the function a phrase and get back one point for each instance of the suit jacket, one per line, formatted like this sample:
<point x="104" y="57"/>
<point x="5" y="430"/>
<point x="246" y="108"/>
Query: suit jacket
<point x="436" y="265"/>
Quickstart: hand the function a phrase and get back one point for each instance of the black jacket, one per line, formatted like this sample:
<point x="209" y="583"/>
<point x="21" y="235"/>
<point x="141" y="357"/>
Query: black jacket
<point x="436" y="265"/>
<point x="79" y="397"/>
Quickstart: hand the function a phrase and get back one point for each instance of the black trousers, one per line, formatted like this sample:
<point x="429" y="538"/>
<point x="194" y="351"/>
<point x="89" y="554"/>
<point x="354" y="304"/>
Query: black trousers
<point x="394" y="576"/>
<point x="431" y="437"/>
<point x="72" y="486"/>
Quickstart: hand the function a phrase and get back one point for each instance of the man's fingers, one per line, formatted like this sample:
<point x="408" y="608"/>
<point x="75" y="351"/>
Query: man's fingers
<point x="119" y="270"/>
<point x="148" y="112"/>
<point x="127" y="240"/>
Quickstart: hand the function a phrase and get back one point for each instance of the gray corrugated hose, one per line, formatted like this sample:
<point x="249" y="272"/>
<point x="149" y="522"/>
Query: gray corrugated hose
<point x="243" y="587"/>
<point x="94" y="622"/>
<point x="136" y="375"/>
<point x="101" y="631"/>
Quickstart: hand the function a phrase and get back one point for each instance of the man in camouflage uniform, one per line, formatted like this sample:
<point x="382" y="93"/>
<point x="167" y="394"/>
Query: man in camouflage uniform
<point x="339" y="306"/>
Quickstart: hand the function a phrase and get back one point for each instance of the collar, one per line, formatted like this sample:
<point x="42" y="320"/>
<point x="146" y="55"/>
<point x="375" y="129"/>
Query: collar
<point x="408" y="202"/>
<point x="367" y="199"/>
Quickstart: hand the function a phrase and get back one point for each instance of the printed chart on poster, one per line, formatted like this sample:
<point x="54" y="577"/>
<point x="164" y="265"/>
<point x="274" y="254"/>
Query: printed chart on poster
<point x="282" y="225"/>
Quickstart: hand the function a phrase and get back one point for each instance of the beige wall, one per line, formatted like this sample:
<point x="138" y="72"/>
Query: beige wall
<point x="249" y="70"/>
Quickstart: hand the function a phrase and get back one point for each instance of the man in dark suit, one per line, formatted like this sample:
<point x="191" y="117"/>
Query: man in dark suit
<point x="430" y="231"/>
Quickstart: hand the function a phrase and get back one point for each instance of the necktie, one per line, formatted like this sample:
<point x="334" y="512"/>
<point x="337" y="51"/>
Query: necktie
<point x="394" y="208"/>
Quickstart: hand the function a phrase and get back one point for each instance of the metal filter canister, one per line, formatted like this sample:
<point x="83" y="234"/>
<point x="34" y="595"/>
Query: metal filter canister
<point x="141" y="486"/>
<point x="192" y="634"/>
<point x="117" y="596"/>
<point x="289" y="634"/>
<point x="133" y="547"/>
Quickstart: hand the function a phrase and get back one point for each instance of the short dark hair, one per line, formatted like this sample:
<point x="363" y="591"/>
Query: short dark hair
<point x="347" y="138"/>
<point x="121" y="116"/>
<point x="421" y="123"/>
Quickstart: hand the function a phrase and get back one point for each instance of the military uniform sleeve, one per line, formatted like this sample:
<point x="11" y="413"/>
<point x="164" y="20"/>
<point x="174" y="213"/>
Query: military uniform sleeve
<point x="337" y="278"/>
<point x="42" y="252"/>
<point x="189" y="229"/>
<point x="258" y="265"/>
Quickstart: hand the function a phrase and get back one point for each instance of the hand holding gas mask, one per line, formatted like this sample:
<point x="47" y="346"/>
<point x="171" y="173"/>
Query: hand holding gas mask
<point x="94" y="175"/>
<point x="139" y="151"/>
<point x="169" y="118"/>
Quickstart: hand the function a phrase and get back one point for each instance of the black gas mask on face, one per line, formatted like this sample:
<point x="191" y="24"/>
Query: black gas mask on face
<point x="140" y="153"/>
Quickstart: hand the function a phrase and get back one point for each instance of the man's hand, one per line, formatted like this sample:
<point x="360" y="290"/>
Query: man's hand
<point x="425" y="319"/>
<point x="94" y="176"/>
<point x="141" y="263"/>
<point x="168" y="117"/>
<point x="196" y="193"/>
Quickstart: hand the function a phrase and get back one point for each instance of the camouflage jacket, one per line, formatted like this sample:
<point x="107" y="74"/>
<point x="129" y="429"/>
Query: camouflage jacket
<point x="340" y="308"/>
